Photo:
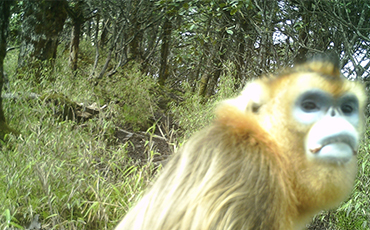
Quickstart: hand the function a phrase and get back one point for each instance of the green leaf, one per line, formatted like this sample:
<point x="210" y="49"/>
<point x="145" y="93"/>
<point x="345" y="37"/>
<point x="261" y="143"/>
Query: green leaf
<point x="230" y="32"/>
<point x="233" y="11"/>
<point x="7" y="215"/>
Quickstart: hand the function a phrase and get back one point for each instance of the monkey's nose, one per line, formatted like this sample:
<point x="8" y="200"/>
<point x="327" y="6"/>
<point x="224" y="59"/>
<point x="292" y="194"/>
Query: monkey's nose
<point x="332" y="112"/>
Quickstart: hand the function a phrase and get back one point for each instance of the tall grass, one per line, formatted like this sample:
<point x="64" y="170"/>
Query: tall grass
<point x="69" y="174"/>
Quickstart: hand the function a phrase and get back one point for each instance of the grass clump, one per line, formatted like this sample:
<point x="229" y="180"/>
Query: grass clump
<point x="131" y="96"/>
<point x="69" y="174"/>
<point x="66" y="173"/>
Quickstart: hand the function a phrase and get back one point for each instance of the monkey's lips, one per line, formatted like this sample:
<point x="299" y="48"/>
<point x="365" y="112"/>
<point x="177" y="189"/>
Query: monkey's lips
<point x="339" y="148"/>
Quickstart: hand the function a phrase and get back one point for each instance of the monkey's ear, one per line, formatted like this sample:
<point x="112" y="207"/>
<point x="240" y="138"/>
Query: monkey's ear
<point x="253" y="96"/>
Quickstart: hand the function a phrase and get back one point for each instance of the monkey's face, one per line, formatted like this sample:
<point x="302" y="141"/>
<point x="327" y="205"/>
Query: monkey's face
<point x="333" y="136"/>
<point x="332" y="117"/>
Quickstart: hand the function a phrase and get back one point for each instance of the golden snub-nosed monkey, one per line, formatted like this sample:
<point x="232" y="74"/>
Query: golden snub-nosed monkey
<point x="275" y="155"/>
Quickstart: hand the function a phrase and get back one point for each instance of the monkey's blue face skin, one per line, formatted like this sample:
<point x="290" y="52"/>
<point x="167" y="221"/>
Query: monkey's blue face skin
<point x="333" y="137"/>
<point x="314" y="104"/>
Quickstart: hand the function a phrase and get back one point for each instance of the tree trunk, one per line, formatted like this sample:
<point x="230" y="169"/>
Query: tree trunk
<point x="4" y="22"/>
<point x="114" y="40"/>
<point x="42" y="23"/>
<point x="74" y="47"/>
<point x="96" y="43"/>
<point x="104" y="33"/>
<point x="163" y="71"/>
<point x="239" y="61"/>
<point x="77" y="20"/>
<point x="203" y="83"/>
<point x="88" y="30"/>
<point x="218" y="61"/>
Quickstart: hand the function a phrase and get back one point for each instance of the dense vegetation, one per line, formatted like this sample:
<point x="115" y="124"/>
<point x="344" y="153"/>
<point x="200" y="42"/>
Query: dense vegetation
<point x="151" y="73"/>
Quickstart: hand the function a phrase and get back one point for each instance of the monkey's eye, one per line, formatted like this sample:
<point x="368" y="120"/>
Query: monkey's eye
<point x="347" y="109"/>
<point x="309" y="106"/>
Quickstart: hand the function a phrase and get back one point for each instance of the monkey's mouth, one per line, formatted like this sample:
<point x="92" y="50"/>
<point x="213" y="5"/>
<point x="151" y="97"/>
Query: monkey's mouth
<point x="339" y="141"/>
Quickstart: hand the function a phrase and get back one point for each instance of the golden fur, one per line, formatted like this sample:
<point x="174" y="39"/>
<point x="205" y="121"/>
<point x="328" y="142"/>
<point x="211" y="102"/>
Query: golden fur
<point x="247" y="170"/>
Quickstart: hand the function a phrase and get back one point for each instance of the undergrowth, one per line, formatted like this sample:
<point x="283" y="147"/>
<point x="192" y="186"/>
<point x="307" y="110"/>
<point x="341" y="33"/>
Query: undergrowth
<point x="195" y="112"/>
<point x="129" y="93"/>
<point x="66" y="173"/>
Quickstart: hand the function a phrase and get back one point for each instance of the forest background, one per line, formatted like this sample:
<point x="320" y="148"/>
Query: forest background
<point x="97" y="94"/>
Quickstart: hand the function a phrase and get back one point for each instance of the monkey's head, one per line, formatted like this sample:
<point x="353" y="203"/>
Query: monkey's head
<point x="326" y="109"/>
<point x="316" y="117"/>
